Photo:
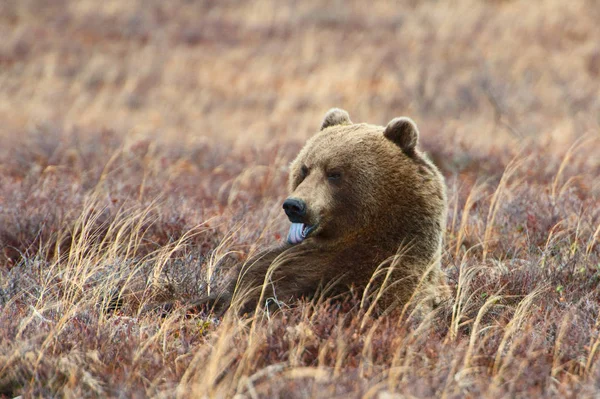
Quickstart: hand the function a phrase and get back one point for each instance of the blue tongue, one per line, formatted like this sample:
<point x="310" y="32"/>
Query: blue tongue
<point x="295" y="234"/>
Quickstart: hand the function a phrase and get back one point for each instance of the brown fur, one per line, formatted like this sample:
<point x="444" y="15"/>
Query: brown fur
<point x="375" y="198"/>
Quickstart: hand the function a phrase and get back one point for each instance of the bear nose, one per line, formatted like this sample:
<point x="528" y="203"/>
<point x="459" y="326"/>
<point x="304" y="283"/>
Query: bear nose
<point x="295" y="209"/>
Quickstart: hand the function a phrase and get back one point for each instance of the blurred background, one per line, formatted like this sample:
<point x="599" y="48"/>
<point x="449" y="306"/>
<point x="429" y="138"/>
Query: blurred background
<point x="203" y="104"/>
<point x="467" y="70"/>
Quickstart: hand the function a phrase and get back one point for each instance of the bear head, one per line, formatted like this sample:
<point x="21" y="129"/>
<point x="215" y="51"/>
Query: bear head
<point x="364" y="182"/>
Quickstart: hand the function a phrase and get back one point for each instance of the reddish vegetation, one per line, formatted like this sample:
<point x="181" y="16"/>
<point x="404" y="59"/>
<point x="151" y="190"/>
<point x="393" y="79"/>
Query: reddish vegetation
<point x="145" y="148"/>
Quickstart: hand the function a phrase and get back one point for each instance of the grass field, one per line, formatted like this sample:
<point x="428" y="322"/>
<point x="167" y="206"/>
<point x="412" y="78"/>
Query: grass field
<point x="144" y="149"/>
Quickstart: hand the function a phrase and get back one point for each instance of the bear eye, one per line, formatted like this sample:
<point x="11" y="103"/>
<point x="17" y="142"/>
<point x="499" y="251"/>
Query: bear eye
<point x="334" y="176"/>
<point x="304" y="171"/>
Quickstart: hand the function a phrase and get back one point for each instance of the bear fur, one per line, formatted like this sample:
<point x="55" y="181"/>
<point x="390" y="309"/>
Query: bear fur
<point x="374" y="209"/>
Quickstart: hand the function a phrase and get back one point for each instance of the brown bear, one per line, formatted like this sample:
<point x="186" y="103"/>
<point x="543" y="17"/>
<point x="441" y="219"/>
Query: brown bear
<point x="367" y="209"/>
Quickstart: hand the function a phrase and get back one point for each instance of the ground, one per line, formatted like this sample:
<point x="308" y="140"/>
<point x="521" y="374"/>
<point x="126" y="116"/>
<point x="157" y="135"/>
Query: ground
<point x="145" y="149"/>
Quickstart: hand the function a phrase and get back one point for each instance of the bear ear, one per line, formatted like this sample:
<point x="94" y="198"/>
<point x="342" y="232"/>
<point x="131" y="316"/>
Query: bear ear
<point x="335" y="116"/>
<point x="403" y="131"/>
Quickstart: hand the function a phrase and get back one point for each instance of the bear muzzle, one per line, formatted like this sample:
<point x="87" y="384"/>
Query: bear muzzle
<point x="295" y="209"/>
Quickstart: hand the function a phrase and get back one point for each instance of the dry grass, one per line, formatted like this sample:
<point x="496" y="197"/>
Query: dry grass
<point x="145" y="148"/>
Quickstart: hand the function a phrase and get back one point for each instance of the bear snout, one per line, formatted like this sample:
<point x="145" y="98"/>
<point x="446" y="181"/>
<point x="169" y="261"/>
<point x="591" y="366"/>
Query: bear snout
<point x="295" y="209"/>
